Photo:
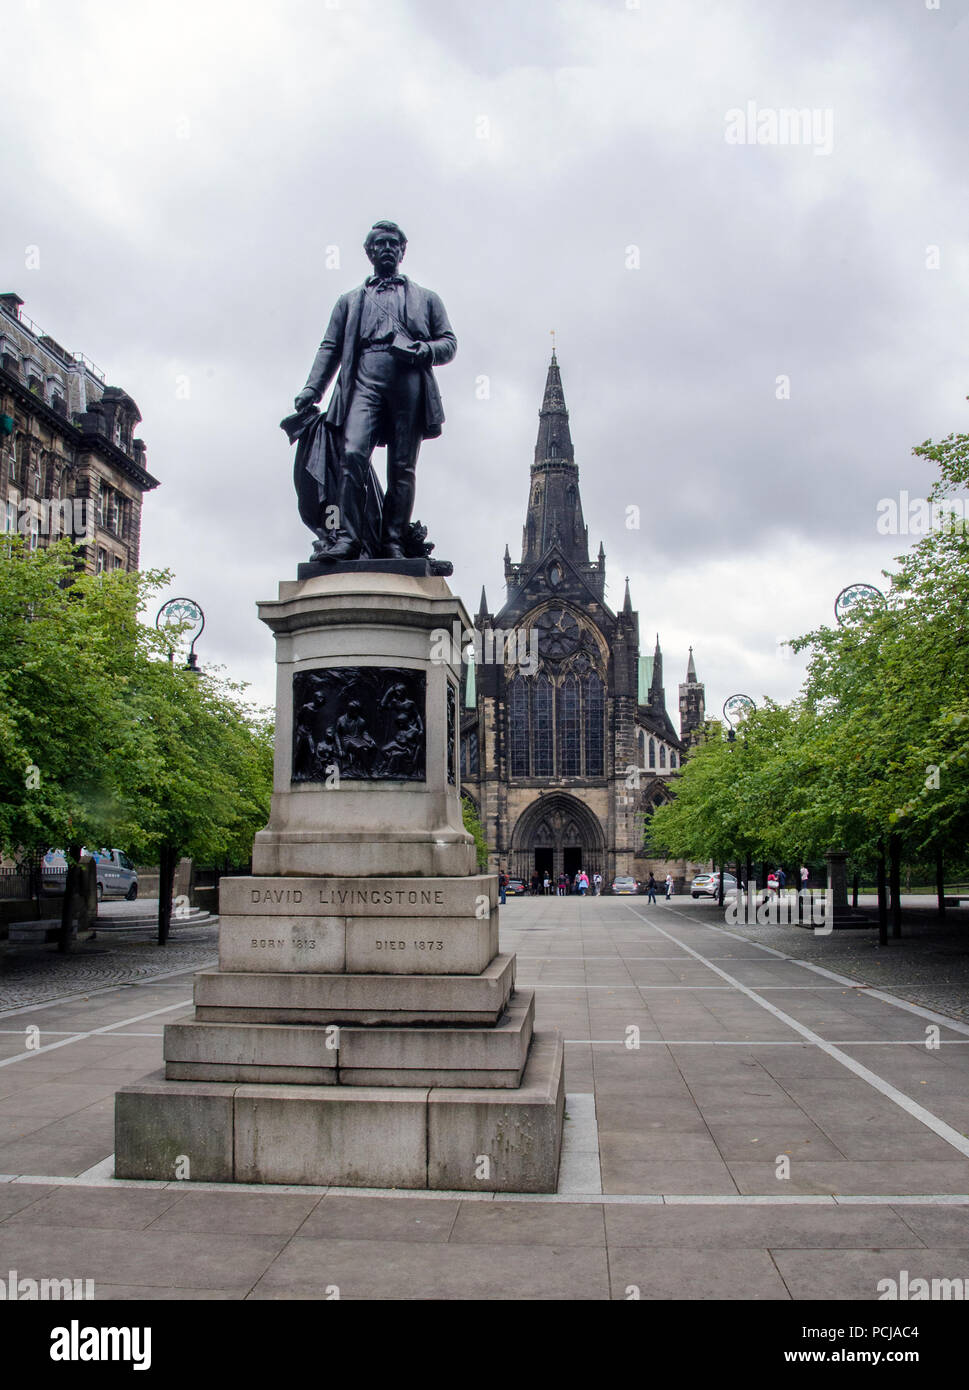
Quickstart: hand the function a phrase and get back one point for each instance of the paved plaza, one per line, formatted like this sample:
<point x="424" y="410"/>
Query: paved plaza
<point x="739" y="1110"/>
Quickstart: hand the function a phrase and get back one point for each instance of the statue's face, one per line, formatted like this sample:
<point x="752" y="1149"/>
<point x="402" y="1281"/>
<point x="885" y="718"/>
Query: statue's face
<point x="386" y="253"/>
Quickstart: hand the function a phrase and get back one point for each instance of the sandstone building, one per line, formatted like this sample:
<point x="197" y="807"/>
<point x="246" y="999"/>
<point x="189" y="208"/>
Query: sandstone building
<point x="69" y="461"/>
<point x="565" y="738"/>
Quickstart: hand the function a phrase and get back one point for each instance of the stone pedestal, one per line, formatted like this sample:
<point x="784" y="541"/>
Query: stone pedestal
<point x="362" y="1028"/>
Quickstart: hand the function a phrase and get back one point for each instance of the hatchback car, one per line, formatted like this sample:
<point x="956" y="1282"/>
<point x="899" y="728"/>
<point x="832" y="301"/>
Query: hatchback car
<point x="624" y="886"/>
<point x="515" y="887"/>
<point x="708" y="885"/>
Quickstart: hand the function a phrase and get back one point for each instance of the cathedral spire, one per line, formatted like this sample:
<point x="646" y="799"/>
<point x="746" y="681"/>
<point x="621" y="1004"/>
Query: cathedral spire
<point x="691" y="668"/>
<point x="554" y="437"/>
<point x="657" y="681"/>
<point x="627" y="603"/>
<point x="554" y="515"/>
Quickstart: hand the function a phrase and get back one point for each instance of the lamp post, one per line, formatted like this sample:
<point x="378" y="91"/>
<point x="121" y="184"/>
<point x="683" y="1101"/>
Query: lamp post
<point x="185" y="615"/>
<point x="849" y="597"/>
<point x="736" y="708"/>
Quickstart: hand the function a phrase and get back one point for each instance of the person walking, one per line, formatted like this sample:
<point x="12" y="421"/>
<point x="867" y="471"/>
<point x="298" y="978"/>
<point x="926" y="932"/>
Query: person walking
<point x="669" y="887"/>
<point x="583" y="883"/>
<point x="651" y="888"/>
<point x="502" y="887"/>
<point x="545" y="886"/>
<point x="805" y="877"/>
<point x="781" y="879"/>
<point x="597" y="881"/>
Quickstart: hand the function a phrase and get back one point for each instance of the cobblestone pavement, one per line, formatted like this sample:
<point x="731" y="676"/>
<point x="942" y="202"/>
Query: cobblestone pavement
<point x="928" y="965"/>
<point x="32" y="974"/>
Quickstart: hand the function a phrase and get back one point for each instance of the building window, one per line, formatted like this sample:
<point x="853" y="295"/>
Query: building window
<point x="672" y="758"/>
<point x="662" y="755"/>
<point x="542" y="752"/>
<point x="594" y="714"/>
<point x="34" y="532"/>
<point x="473" y="754"/>
<point x="118" y="563"/>
<point x="518" y="718"/>
<point x="652" y="752"/>
<point x="10" y="523"/>
<point x="568" y="728"/>
<point x="102" y="561"/>
<point x="101" y="503"/>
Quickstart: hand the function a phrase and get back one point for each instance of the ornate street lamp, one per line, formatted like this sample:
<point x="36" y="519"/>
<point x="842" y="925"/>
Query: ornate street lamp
<point x="853" y="594"/>
<point x="185" y="615"/>
<point x="735" y="710"/>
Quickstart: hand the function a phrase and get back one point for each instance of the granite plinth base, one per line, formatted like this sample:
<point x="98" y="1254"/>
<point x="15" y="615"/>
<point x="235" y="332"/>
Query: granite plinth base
<point x="438" y="1138"/>
<point x="337" y="1055"/>
<point x="399" y="925"/>
<point x="395" y="1000"/>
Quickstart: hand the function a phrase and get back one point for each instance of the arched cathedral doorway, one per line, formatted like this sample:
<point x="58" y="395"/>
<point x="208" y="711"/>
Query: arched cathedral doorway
<point x="557" y="834"/>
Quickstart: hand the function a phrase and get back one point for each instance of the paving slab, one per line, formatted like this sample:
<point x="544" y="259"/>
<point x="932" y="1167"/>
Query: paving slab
<point x="717" y="1079"/>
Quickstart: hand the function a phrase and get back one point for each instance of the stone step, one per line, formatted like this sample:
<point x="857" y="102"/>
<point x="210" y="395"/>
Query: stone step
<point x="437" y="1138"/>
<point x="269" y="997"/>
<point x="353" y="1056"/>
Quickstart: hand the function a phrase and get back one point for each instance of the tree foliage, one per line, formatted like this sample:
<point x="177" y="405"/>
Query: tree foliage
<point x="877" y="743"/>
<point x="103" y="739"/>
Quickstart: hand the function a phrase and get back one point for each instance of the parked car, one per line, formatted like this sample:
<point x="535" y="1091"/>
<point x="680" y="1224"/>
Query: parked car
<point x="624" y="886"/>
<point x="708" y="885"/>
<point x="515" y="887"/>
<point x="117" y="876"/>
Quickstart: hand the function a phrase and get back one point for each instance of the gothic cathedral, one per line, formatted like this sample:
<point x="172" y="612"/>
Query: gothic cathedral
<point x="565" y="737"/>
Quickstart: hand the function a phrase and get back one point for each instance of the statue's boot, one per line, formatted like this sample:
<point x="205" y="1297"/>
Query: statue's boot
<point x="346" y="544"/>
<point x="398" y="505"/>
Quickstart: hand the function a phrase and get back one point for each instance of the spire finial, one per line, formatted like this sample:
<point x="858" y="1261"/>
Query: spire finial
<point x="552" y="331"/>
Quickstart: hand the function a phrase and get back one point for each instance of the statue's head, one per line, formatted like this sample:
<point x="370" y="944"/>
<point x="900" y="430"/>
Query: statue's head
<point x="385" y="246"/>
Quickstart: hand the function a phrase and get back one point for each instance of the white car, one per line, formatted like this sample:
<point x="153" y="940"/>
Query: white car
<point x="117" y="876"/>
<point x="708" y="885"/>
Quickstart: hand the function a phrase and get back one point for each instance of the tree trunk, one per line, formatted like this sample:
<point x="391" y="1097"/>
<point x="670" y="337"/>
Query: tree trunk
<point x="895" y="870"/>
<point x="167" y="860"/>
<point x="940" y="880"/>
<point x="69" y="905"/>
<point x="882" y="904"/>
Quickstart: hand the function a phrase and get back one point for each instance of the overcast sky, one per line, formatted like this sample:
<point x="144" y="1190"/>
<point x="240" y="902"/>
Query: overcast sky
<point x="186" y="169"/>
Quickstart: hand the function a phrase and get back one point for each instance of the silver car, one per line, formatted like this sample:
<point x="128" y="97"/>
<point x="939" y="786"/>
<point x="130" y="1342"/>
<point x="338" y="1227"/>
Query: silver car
<point x="708" y="885"/>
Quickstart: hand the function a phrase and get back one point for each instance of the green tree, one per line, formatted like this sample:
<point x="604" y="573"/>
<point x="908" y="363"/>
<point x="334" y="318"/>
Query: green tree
<point x="473" y="826"/>
<point x="102" y="740"/>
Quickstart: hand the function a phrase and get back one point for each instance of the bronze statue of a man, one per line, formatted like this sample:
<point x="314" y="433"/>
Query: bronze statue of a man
<point x="383" y="338"/>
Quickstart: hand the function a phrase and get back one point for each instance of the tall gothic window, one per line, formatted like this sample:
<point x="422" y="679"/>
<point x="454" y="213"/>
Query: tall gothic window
<point x="594" y="711"/>
<point x="542" y="755"/>
<point x="568" y="728"/>
<point x="662" y="755"/>
<point x="672" y="759"/>
<point x="518" y="717"/>
<point x="652" y="752"/>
